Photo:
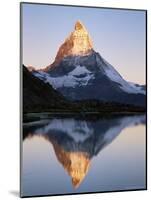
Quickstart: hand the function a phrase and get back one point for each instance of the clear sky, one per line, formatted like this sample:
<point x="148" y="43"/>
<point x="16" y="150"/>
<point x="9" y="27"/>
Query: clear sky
<point x="118" y="35"/>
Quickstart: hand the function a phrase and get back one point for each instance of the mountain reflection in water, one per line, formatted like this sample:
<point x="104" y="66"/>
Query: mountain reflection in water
<point x="77" y="141"/>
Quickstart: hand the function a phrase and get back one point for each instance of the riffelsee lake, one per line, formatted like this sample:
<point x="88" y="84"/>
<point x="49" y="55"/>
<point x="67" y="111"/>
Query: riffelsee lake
<point x="74" y="155"/>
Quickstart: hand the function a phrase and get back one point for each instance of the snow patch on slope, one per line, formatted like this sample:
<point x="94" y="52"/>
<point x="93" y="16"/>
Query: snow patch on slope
<point x="138" y="87"/>
<point x="124" y="85"/>
<point x="80" y="76"/>
<point x="80" y="70"/>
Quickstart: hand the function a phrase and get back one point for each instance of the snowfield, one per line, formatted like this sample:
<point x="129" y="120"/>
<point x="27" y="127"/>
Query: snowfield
<point x="116" y="77"/>
<point x="80" y="76"/>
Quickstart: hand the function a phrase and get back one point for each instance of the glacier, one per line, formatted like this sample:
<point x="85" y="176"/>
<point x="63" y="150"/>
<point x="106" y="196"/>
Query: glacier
<point x="80" y="76"/>
<point x="124" y="85"/>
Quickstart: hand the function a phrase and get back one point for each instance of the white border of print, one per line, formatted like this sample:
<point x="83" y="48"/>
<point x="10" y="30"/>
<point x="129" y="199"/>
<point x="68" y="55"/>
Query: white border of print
<point x="9" y="98"/>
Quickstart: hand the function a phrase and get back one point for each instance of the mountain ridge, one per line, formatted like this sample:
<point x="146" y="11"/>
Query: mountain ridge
<point x="78" y="72"/>
<point x="77" y="43"/>
<point x="38" y="95"/>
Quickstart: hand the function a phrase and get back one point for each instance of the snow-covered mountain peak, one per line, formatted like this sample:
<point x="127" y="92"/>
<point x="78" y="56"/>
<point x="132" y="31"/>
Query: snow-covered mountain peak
<point x="79" y="26"/>
<point x="77" y="43"/>
<point x="80" y="73"/>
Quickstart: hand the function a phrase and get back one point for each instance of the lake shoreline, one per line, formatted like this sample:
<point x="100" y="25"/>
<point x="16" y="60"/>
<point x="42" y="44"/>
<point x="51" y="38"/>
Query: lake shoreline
<point x="34" y="116"/>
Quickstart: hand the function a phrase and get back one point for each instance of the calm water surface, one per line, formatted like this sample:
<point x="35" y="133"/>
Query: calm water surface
<point x="68" y="155"/>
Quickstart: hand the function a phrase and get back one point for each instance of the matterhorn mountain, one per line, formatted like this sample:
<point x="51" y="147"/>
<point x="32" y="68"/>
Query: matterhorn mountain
<point x="80" y="73"/>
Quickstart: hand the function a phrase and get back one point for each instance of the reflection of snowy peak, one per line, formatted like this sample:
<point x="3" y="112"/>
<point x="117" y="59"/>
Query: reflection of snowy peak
<point x="78" y="130"/>
<point x="80" y="73"/>
<point x="76" y="142"/>
<point x="85" y="136"/>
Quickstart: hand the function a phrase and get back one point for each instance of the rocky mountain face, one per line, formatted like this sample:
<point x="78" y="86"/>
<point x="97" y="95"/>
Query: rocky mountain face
<point x="77" y="44"/>
<point x="80" y="73"/>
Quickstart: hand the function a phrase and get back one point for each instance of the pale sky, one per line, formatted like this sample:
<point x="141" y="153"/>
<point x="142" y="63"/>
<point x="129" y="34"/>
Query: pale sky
<point x="118" y="35"/>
